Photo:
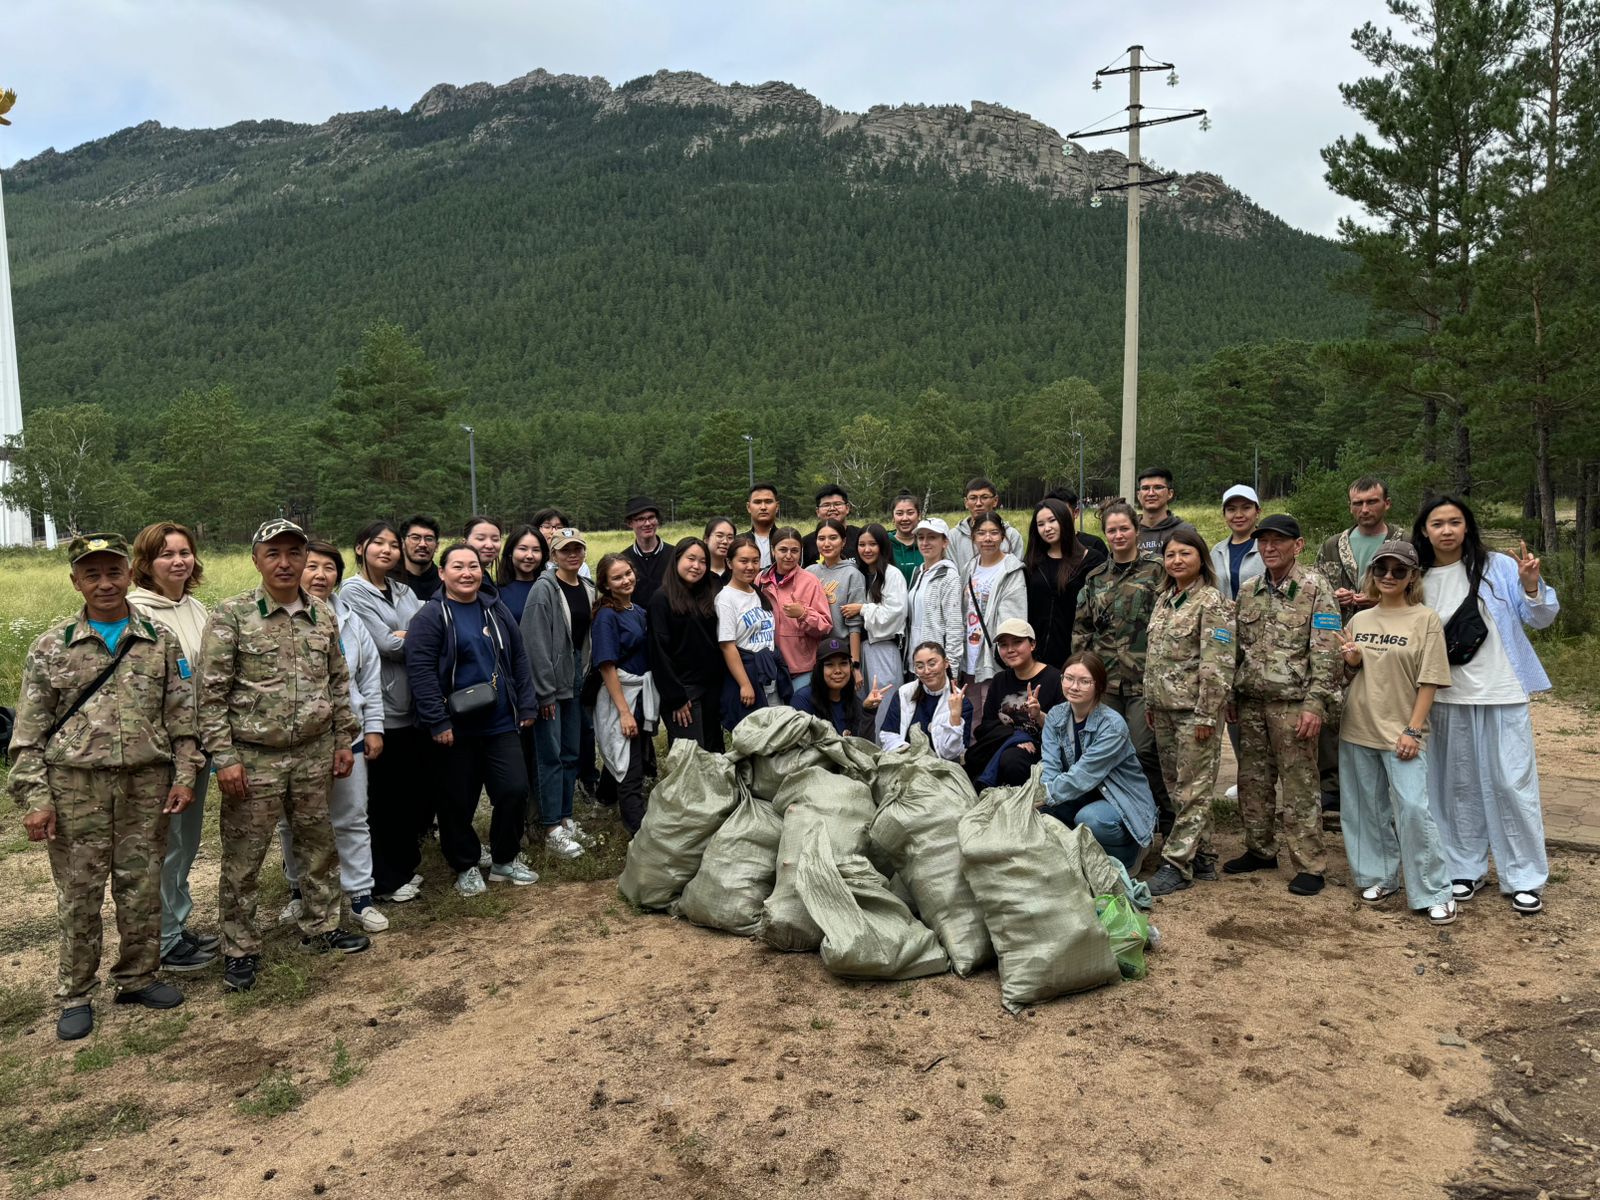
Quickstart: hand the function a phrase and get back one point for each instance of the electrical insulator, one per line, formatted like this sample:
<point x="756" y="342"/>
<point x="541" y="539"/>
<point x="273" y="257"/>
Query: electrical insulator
<point x="1096" y="201"/>
<point x="1172" y="79"/>
<point x="1096" y="84"/>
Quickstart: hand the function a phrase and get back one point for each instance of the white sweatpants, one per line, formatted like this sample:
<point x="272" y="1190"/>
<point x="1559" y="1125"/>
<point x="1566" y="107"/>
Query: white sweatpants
<point x="347" y="812"/>
<point x="1483" y="791"/>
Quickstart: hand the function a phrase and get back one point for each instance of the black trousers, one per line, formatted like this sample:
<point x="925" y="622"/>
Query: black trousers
<point x="403" y="789"/>
<point x="531" y="822"/>
<point x="630" y="788"/>
<point x="492" y="763"/>
<point x="704" y="728"/>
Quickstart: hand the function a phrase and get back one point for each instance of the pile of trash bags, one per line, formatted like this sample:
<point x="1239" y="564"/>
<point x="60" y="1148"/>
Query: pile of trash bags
<point x="888" y="864"/>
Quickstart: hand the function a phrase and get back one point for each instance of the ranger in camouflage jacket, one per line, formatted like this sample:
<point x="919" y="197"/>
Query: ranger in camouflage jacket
<point x="1114" y="618"/>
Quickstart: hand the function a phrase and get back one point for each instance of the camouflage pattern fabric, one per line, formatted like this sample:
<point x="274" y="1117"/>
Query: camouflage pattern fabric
<point x="295" y="782"/>
<point x="142" y="716"/>
<point x="1336" y="562"/>
<point x="1189" y="768"/>
<point x="1113" y="619"/>
<point x="271" y="679"/>
<point x="1288" y="642"/>
<point x="1189" y="657"/>
<point x="108" y="822"/>
<point x="1269" y="752"/>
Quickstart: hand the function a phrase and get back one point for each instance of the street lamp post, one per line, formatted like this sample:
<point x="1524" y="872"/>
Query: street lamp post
<point x="472" y="465"/>
<point x="750" y="446"/>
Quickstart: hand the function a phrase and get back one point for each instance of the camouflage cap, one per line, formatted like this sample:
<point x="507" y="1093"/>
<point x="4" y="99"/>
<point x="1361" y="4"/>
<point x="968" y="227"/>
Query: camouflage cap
<point x="86" y="544"/>
<point x="277" y="527"/>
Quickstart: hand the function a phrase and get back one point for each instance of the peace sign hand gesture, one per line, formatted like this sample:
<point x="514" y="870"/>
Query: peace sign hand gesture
<point x="1528" y="570"/>
<point x="1351" y="653"/>
<point x="957" y="695"/>
<point x="1033" y="704"/>
<point x="875" y="696"/>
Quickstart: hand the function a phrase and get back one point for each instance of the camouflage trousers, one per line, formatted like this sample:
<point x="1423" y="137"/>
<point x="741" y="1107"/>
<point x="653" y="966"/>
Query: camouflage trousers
<point x="1270" y="754"/>
<point x="108" y="823"/>
<point x="295" y="783"/>
<point x="1189" y="768"/>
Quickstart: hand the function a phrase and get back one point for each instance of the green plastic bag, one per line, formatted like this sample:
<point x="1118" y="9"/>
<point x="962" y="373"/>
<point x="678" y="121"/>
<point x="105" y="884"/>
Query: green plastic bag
<point x="1128" y="930"/>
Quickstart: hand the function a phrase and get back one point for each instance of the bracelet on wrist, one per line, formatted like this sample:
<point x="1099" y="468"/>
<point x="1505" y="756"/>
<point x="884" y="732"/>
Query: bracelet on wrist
<point x="1413" y="734"/>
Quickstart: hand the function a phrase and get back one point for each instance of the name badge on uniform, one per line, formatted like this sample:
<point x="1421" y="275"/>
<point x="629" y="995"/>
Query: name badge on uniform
<point x="183" y="668"/>
<point x="1329" y="621"/>
<point x="1219" y="634"/>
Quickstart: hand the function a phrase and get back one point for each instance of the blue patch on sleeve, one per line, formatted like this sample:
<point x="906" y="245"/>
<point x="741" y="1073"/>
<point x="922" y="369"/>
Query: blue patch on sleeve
<point x="1325" y="621"/>
<point x="1220" y="634"/>
<point x="183" y="668"/>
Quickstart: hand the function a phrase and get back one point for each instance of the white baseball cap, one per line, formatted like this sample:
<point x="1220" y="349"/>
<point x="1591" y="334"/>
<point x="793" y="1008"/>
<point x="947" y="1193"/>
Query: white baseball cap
<point x="933" y="525"/>
<point x="1241" y="491"/>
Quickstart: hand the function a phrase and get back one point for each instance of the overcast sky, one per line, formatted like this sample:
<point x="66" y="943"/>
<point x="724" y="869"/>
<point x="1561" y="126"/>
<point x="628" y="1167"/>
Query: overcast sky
<point x="1267" y="69"/>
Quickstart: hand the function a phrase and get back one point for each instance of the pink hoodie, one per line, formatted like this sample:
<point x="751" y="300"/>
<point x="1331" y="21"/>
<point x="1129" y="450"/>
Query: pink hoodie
<point x="797" y="636"/>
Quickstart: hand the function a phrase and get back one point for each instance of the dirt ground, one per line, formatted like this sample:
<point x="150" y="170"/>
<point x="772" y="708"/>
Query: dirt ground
<point x="549" y="1042"/>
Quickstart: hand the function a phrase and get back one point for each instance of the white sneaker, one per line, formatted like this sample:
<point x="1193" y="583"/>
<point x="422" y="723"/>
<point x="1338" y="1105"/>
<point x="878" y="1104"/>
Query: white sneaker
<point x="470" y="882"/>
<point x="485" y="858"/>
<point x="405" y="893"/>
<point x="370" y="919"/>
<point x="1443" y="914"/>
<point x="292" y="911"/>
<point x="577" y="832"/>
<point x="560" y="843"/>
<point x="1232" y="794"/>
<point x="516" y="871"/>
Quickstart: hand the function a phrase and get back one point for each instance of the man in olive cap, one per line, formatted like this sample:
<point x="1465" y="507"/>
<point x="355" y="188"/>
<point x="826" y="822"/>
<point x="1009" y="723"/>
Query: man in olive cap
<point x="103" y="752"/>
<point x="275" y="717"/>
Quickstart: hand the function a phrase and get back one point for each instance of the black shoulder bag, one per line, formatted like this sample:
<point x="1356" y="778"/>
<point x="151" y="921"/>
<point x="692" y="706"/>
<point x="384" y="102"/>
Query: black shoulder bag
<point x="977" y="607"/>
<point x="480" y="697"/>
<point x="84" y="696"/>
<point x="1466" y="630"/>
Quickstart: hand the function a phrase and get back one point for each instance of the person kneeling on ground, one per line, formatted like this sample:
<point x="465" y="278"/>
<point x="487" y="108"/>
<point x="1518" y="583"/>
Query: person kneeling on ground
<point x="831" y="694"/>
<point x="103" y="752"/>
<point x="932" y="703"/>
<point x="1091" y="772"/>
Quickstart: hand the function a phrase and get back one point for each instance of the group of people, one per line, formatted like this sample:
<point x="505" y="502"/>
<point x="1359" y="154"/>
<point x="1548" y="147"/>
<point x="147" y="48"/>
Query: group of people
<point x="355" y="709"/>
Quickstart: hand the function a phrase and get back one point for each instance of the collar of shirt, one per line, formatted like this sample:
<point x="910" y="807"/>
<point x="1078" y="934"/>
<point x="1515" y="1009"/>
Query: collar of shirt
<point x="266" y="605"/>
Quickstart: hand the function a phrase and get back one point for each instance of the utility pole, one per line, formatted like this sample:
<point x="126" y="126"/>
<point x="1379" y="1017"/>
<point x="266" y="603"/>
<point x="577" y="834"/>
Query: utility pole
<point x="1136" y="67"/>
<point x="1082" y="499"/>
<point x="750" y="445"/>
<point x="472" y="465"/>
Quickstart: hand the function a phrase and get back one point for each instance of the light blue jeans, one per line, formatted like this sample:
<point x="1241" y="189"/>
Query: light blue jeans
<point x="183" y="844"/>
<point x="1383" y="810"/>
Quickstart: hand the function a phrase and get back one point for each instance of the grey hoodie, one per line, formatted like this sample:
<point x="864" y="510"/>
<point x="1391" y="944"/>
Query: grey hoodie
<point x="383" y="619"/>
<point x="547" y="636"/>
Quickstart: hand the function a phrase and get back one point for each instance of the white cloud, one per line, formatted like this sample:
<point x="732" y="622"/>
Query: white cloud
<point x="1268" y="71"/>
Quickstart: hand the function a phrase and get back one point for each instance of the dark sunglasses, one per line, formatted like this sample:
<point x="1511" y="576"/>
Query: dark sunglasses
<point x="1391" y="570"/>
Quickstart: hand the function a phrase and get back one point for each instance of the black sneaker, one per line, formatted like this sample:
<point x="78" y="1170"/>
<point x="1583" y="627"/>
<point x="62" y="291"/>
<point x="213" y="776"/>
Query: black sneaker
<point x="209" y="942"/>
<point x="1167" y="880"/>
<point x="75" y="1022"/>
<point x="1249" y="861"/>
<point x="1305" y="884"/>
<point x="1205" y="867"/>
<point x="187" y="955"/>
<point x="341" y="940"/>
<point x="153" y="995"/>
<point x="240" y="973"/>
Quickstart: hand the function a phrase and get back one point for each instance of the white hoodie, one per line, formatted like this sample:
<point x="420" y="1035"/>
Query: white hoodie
<point x="185" y="619"/>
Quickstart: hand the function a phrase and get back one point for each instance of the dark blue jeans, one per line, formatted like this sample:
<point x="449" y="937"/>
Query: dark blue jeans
<point x="556" y="742"/>
<point x="1105" y="823"/>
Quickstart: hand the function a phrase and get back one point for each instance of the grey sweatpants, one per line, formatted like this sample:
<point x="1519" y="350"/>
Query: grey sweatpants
<point x="347" y="813"/>
<point x="183" y="845"/>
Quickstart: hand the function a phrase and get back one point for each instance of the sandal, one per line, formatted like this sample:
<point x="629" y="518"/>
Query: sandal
<point x="1525" y="904"/>
<point x="1463" y="890"/>
<point x="1377" y="893"/>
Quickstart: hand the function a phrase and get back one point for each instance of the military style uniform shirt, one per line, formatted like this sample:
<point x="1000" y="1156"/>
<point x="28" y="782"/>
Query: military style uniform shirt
<point x="1288" y="642"/>
<point x="1114" y="618"/>
<point x="142" y="716"/>
<point x="1189" y="659"/>
<point x="273" y="678"/>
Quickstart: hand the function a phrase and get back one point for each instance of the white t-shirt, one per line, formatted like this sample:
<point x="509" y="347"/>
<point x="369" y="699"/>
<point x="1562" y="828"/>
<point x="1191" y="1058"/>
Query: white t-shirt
<point x="1488" y="678"/>
<point x="742" y="621"/>
<point x="983" y="581"/>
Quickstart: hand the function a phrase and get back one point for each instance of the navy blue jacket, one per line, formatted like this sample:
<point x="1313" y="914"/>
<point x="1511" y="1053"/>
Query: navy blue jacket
<point x="431" y="660"/>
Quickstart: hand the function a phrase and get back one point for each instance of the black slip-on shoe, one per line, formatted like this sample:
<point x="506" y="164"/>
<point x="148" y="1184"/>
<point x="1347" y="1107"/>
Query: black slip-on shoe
<point x="75" y="1022"/>
<point x="341" y="940"/>
<point x="1250" y="861"/>
<point x="153" y="995"/>
<point x="1305" y="884"/>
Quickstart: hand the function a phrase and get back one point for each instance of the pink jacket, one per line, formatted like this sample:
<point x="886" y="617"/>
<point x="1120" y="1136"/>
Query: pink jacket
<point x="797" y="637"/>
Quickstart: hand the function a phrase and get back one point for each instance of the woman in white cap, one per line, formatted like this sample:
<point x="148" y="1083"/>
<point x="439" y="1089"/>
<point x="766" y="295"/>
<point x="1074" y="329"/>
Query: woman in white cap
<point x="1237" y="561"/>
<point x="933" y="601"/>
<point x="1395" y="662"/>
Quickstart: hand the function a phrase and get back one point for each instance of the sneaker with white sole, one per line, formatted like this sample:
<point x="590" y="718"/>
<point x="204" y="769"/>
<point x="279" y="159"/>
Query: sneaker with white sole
<point x="515" y="872"/>
<point x="577" y="832"/>
<point x="292" y="911"/>
<point x="1232" y="794"/>
<point x="403" y="894"/>
<point x="559" y="842"/>
<point x="1442" y="914"/>
<point x="470" y="883"/>
<point x="367" y="915"/>
<point x="1377" y="893"/>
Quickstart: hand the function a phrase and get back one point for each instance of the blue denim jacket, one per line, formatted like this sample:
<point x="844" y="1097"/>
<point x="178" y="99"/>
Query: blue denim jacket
<point x="1109" y="763"/>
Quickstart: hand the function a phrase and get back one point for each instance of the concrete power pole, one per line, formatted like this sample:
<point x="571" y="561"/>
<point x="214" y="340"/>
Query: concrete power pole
<point x="1135" y="67"/>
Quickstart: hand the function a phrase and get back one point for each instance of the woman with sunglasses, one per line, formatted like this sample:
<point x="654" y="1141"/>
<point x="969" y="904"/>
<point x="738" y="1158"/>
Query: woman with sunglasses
<point x="1395" y="661"/>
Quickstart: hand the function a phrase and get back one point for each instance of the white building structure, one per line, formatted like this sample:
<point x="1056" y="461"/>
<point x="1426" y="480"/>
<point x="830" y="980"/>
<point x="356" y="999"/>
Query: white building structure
<point x="16" y="527"/>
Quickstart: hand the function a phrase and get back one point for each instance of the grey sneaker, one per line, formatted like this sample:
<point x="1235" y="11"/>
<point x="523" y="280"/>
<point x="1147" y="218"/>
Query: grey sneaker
<point x="1167" y="880"/>
<point x="516" y="872"/>
<point x="561" y="843"/>
<point x="470" y="883"/>
<point x="485" y="859"/>
<point x="577" y="832"/>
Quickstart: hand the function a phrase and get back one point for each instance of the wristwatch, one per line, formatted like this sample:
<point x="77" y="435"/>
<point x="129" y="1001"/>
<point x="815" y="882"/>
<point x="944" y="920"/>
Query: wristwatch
<point x="856" y="663"/>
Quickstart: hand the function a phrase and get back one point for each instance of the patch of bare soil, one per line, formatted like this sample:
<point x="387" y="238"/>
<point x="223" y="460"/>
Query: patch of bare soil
<point x="1568" y="736"/>
<point x="548" y="1042"/>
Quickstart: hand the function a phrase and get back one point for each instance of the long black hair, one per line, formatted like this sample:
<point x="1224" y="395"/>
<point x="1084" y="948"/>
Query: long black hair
<point x="878" y="571"/>
<point x="1474" y="554"/>
<point x="1037" y="556"/>
<point x="505" y="570"/>
<point x="822" y="707"/>
<point x="699" y="600"/>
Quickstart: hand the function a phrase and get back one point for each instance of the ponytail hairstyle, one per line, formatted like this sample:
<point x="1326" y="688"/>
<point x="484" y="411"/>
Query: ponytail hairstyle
<point x="921" y="693"/>
<point x="739" y="543"/>
<point x="365" y="534"/>
<point x="992" y="517"/>
<point x="785" y="533"/>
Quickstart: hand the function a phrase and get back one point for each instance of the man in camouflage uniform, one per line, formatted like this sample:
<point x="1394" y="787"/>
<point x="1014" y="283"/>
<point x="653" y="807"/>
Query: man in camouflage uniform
<point x="1113" y="621"/>
<point x="1285" y="685"/>
<point x="100" y="785"/>
<point x="275" y="717"/>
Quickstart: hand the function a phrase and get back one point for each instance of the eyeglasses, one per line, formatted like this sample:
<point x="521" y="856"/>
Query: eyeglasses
<point x="927" y="668"/>
<point x="421" y="537"/>
<point x="1076" y="681"/>
<point x="1397" y="570"/>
